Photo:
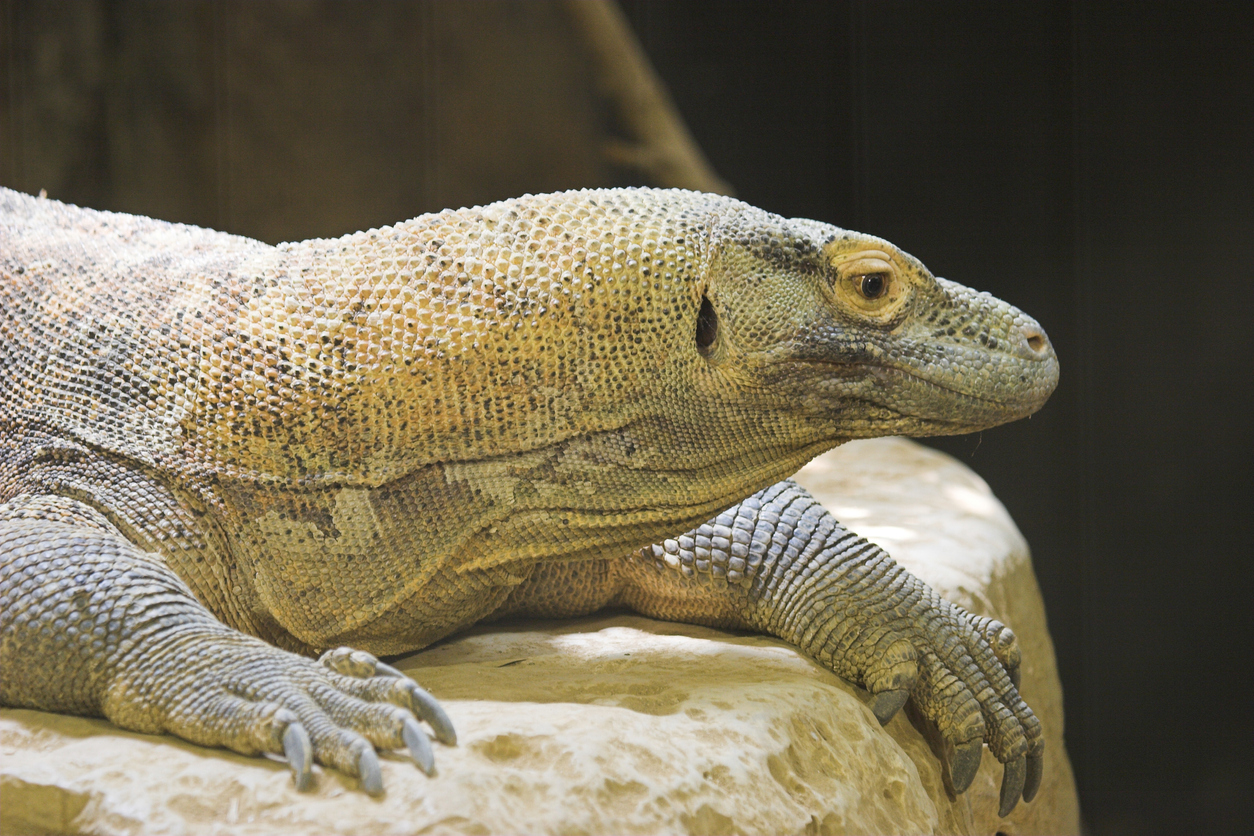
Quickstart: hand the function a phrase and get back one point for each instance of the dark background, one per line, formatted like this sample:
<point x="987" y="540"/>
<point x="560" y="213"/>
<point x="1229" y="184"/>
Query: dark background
<point x="1091" y="163"/>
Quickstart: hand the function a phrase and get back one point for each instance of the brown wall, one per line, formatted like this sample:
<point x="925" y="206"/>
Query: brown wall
<point x="289" y="120"/>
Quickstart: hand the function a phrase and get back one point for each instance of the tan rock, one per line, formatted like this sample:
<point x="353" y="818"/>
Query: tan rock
<point x="616" y="724"/>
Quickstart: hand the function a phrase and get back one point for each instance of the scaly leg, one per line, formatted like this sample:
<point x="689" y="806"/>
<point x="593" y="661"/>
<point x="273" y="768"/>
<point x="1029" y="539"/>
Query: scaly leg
<point x="780" y="564"/>
<point x="90" y="624"/>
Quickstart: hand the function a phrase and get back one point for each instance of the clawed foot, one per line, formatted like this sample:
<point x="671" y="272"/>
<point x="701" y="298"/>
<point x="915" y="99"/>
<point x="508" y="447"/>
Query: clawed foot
<point x="363" y="704"/>
<point x="963" y="678"/>
<point x="361" y="665"/>
<point x="250" y="697"/>
<point x="370" y="682"/>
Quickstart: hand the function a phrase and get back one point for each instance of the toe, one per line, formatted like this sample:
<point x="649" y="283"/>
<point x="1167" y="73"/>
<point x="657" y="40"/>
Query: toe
<point x="1035" y="769"/>
<point x="419" y="746"/>
<point x="963" y="762"/>
<point x="428" y="708"/>
<point x="349" y="662"/>
<point x="886" y="704"/>
<point x="1012" y="781"/>
<point x="299" y="753"/>
<point x="368" y="771"/>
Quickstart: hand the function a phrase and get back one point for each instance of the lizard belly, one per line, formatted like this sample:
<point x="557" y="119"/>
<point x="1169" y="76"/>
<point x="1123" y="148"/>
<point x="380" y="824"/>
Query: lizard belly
<point x="329" y="562"/>
<point x="395" y="567"/>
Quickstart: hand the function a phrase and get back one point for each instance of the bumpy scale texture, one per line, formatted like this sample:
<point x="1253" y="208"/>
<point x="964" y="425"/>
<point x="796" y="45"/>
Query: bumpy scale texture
<point x="218" y="458"/>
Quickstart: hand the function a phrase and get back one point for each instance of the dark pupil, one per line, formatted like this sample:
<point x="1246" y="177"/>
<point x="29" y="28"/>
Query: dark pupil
<point x="873" y="285"/>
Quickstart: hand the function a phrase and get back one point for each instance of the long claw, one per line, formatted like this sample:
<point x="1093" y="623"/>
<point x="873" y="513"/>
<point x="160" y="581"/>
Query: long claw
<point x="370" y="773"/>
<point x="1012" y="785"/>
<point x="428" y="708"/>
<point x="964" y="763"/>
<point x="299" y="753"/>
<point x="384" y="669"/>
<point x="419" y="746"/>
<point x="1032" y="782"/>
<point x="886" y="704"/>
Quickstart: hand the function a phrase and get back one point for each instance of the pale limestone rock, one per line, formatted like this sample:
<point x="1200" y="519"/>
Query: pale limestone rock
<point x="617" y="724"/>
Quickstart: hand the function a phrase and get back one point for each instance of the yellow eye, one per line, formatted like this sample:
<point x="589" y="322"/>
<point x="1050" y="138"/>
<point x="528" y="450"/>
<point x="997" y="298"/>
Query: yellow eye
<point x="872" y="290"/>
<point x="871" y="285"/>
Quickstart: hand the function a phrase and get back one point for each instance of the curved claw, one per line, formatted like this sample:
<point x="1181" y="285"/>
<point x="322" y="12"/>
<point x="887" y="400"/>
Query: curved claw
<point x="370" y="773"/>
<point x="964" y="763"/>
<point x="419" y="746"/>
<point x="428" y="708"/>
<point x="299" y="753"/>
<point x="886" y="704"/>
<point x="384" y="669"/>
<point x="1012" y="780"/>
<point x="1032" y="781"/>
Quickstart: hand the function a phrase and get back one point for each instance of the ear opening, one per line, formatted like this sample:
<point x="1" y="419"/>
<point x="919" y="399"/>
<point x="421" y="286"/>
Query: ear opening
<point x="707" y="326"/>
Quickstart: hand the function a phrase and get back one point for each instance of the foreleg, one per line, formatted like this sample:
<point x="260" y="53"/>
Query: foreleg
<point x="90" y="624"/>
<point x="780" y="564"/>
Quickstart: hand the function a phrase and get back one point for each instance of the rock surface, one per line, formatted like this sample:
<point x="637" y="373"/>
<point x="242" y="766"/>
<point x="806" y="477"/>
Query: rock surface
<point x="617" y="723"/>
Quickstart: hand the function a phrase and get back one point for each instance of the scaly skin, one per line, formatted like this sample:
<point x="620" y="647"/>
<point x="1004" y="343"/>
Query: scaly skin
<point x="206" y="442"/>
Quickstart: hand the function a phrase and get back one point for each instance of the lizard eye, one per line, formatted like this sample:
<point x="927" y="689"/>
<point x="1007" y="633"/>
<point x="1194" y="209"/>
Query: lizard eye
<point x="707" y="326"/>
<point x="868" y="283"/>
<point x="871" y="285"/>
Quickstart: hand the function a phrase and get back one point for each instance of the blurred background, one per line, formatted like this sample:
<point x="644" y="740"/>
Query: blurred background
<point x="1092" y="163"/>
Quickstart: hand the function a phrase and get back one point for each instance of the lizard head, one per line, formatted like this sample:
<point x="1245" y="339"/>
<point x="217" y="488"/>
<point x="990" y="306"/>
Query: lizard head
<point x="856" y="331"/>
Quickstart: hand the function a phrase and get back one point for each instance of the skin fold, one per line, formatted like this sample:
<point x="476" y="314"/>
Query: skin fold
<point x="219" y="458"/>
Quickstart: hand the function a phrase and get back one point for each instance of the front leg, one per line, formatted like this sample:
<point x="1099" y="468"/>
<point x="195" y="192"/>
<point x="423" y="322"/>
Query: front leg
<point x="780" y="564"/>
<point x="90" y="624"/>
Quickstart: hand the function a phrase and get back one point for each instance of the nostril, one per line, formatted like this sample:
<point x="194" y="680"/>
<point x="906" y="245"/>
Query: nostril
<point x="1036" y="339"/>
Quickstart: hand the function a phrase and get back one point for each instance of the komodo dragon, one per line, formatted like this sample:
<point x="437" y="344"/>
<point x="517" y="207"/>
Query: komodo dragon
<point x="219" y="458"/>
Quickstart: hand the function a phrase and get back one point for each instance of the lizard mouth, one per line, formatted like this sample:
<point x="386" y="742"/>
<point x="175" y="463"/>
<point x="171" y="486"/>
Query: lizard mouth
<point x="919" y="380"/>
<point x="909" y="403"/>
<point x="853" y="371"/>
